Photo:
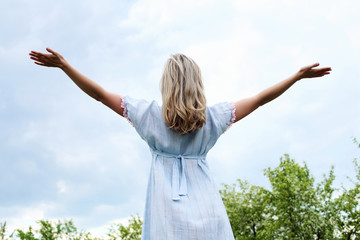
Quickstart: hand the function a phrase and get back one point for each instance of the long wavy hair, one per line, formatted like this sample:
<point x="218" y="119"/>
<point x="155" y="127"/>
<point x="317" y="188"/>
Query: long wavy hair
<point x="184" y="102"/>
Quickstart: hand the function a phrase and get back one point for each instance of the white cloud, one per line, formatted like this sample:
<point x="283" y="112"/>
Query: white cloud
<point x="241" y="46"/>
<point x="102" y="230"/>
<point x="354" y="38"/>
<point x="23" y="217"/>
<point x="62" y="186"/>
<point x="151" y="17"/>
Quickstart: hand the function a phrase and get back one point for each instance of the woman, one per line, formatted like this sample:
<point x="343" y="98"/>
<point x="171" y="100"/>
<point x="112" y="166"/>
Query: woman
<point x="182" y="200"/>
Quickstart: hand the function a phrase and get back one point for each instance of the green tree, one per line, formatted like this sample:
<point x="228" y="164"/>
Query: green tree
<point x="326" y="208"/>
<point x="348" y="205"/>
<point x="51" y="230"/>
<point x="294" y="208"/>
<point x="24" y="235"/>
<point x="130" y="232"/>
<point x="246" y="207"/>
<point x="293" y="201"/>
<point x="3" y="231"/>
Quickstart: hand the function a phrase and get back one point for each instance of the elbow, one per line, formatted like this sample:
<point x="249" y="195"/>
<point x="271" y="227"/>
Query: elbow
<point x="97" y="97"/>
<point x="261" y="100"/>
<point x="98" y="94"/>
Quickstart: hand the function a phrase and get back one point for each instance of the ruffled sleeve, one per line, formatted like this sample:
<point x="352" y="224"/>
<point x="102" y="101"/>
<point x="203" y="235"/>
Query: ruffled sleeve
<point x="233" y="117"/>
<point x="140" y="113"/>
<point x="124" y="105"/>
<point x="221" y="116"/>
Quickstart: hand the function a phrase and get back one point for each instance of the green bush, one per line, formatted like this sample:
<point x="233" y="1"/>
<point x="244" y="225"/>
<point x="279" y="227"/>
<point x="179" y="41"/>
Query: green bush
<point x="294" y="208"/>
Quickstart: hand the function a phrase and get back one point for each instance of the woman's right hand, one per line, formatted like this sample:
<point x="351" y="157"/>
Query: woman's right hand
<point x="51" y="59"/>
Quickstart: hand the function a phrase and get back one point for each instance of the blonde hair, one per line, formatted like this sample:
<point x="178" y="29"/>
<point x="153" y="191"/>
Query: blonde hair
<point x="184" y="102"/>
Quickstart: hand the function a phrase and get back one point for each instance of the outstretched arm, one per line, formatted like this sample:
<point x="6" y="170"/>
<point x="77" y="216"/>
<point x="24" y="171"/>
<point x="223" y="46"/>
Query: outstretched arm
<point x="245" y="106"/>
<point x="94" y="90"/>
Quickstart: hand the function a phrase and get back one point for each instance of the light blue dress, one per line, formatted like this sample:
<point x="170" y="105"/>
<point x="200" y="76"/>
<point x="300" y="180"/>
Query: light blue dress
<point x="182" y="201"/>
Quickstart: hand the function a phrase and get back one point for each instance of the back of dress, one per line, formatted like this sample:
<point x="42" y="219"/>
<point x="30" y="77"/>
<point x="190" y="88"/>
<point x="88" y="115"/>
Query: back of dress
<point x="182" y="200"/>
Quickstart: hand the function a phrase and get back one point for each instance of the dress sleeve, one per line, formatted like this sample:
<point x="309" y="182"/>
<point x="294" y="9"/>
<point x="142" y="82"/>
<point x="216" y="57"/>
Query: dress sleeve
<point x="138" y="112"/>
<point x="222" y="116"/>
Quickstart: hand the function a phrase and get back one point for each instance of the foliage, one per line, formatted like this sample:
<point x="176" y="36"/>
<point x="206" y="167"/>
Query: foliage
<point x="294" y="208"/>
<point x="131" y="232"/>
<point x="326" y="207"/>
<point x="3" y="231"/>
<point x="51" y="230"/>
<point x="293" y="201"/>
<point x="247" y="208"/>
<point x="348" y="205"/>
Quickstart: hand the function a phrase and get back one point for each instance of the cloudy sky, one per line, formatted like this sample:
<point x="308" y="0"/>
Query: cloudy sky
<point x="65" y="156"/>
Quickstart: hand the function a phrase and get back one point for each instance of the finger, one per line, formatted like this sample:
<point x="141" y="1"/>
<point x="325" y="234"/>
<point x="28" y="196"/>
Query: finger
<point x="34" y="54"/>
<point x="51" y="51"/>
<point x="40" y="63"/>
<point x="326" y="69"/>
<point x="323" y="74"/>
<point x="308" y="67"/>
<point x="39" y="55"/>
<point x="314" y="65"/>
<point x="35" y="58"/>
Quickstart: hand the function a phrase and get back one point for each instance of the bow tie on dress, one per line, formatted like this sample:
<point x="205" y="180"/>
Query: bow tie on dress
<point x="178" y="178"/>
<point x="179" y="184"/>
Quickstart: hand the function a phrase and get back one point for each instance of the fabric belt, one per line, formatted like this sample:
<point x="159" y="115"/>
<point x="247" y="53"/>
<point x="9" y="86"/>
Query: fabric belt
<point x="178" y="179"/>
